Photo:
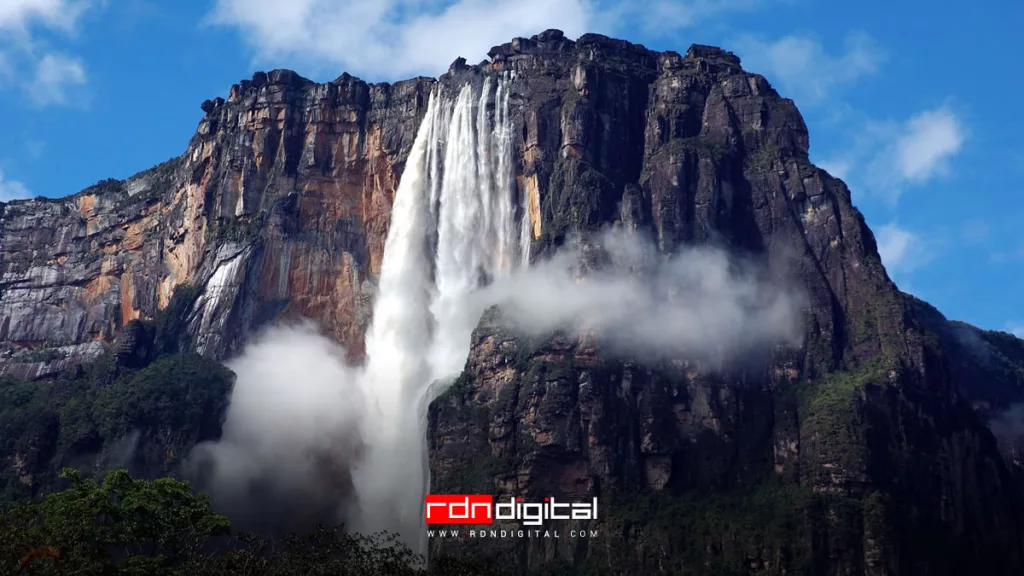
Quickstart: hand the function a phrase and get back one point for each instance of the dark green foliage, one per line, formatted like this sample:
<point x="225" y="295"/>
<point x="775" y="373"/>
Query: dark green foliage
<point x="238" y="228"/>
<point x="451" y="566"/>
<point x="460" y="389"/>
<point x="28" y="433"/>
<point x="180" y="398"/>
<point x="171" y="404"/>
<point x="720" y="532"/>
<point x="105" y="186"/>
<point x="44" y="355"/>
<point x="168" y="403"/>
<point x="160" y="527"/>
<point x="834" y="394"/>
<point x="122" y="526"/>
<point x="762" y="160"/>
<point x="831" y="424"/>
<point x="161" y="176"/>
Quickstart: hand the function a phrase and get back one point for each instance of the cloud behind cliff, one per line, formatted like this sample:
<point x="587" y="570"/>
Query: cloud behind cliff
<point x="901" y="249"/>
<point x="700" y="303"/>
<point x="12" y="189"/>
<point x="805" y="69"/>
<point x="888" y="157"/>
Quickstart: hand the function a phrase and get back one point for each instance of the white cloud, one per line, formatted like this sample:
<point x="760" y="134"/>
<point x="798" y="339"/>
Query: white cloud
<point x="715" y="307"/>
<point x="804" y="69"/>
<point x="394" y="39"/>
<point x="887" y="158"/>
<point x="1017" y="329"/>
<point x="20" y="15"/>
<point x="12" y="189"/>
<point x="47" y="74"/>
<point x="55" y="77"/>
<point x="901" y="250"/>
<point x="913" y="152"/>
<point x="931" y="139"/>
<point x="391" y="37"/>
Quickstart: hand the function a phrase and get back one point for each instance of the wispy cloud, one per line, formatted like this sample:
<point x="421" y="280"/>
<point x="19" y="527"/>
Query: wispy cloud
<point x="976" y="231"/>
<point x="886" y="158"/>
<point x="902" y="250"/>
<point x="660" y="17"/>
<point x="804" y="69"/>
<point x="929" y="140"/>
<point x="1017" y="329"/>
<point x="392" y="39"/>
<point x="1003" y="256"/>
<point x="45" y="75"/>
<point x="34" y="148"/>
<point x="12" y="189"/>
<point x="56" y="77"/>
<point x="19" y="16"/>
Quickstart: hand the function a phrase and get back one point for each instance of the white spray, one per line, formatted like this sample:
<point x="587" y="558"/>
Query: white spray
<point x="457" y="183"/>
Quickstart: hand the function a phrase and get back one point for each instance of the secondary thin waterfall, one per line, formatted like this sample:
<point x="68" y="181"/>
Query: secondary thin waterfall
<point x="453" y="229"/>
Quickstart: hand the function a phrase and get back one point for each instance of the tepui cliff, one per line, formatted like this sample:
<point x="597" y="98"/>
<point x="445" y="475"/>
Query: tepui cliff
<point x="868" y="449"/>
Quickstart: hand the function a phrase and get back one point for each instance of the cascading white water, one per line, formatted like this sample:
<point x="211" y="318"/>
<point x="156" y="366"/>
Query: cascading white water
<point x="452" y="230"/>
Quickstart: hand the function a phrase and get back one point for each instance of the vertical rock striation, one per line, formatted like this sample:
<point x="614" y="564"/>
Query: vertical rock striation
<point x="855" y="454"/>
<point x="278" y="207"/>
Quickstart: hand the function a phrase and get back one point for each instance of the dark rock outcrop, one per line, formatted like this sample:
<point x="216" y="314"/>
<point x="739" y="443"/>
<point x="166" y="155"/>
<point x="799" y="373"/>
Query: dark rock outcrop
<point x="858" y="453"/>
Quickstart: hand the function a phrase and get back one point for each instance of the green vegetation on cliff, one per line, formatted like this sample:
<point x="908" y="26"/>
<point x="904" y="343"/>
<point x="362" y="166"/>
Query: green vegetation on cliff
<point x="772" y="527"/>
<point x="143" y="405"/>
<point x="126" y="526"/>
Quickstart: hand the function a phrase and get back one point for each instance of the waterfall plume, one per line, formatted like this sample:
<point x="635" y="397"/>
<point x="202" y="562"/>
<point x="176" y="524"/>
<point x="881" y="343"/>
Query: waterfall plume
<point x="453" y="230"/>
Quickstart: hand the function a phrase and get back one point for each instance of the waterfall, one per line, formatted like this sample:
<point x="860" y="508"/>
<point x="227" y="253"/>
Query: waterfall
<point x="453" y="230"/>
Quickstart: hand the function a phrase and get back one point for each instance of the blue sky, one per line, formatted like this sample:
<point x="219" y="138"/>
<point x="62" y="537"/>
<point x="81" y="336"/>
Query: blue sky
<point x="913" y="103"/>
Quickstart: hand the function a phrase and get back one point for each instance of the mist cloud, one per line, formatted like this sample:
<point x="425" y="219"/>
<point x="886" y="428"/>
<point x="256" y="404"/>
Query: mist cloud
<point x="304" y="441"/>
<point x="701" y="303"/>
<point x="1008" y="426"/>
<point x="291" y="436"/>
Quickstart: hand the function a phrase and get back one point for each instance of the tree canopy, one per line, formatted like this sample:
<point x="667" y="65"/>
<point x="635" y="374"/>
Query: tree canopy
<point x="127" y="526"/>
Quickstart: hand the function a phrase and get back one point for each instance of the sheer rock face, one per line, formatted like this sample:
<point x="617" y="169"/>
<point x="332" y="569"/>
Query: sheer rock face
<point x="279" y="206"/>
<point x="865" y="419"/>
<point x="853" y="454"/>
